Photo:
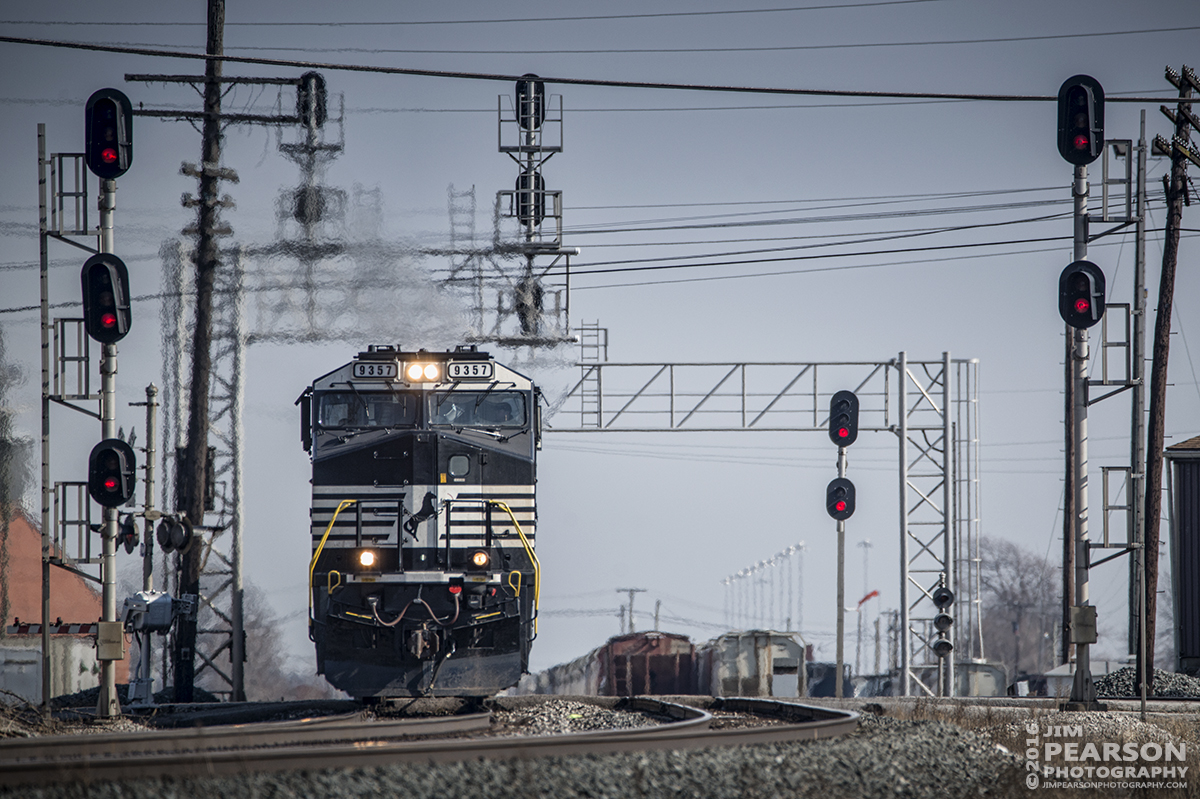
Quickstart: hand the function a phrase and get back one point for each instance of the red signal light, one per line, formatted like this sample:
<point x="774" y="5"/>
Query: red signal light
<point x="1081" y="142"/>
<point x="841" y="505"/>
<point x="843" y="432"/>
<point x="110" y="484"/>
<point x="1082" y="305"/>
<point x="108" y="320"/>
<point x="108" y="155"/>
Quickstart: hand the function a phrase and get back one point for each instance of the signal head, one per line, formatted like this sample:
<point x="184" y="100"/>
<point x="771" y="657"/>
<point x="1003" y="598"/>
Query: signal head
<point x="839" y="498"/>
<point x="843" y="418"/>
<point x="1081" y="288"/>
<point x="106" y="312"/>
<point x="111" y="473"/>
<point x="943" y="597"/>
<point x="1080" y="120"/>
<point x="108" y="134"/>
<point x="531" y="102"/>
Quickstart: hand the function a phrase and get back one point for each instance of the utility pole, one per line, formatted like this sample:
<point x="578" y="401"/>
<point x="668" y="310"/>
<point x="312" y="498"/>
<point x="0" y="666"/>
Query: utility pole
<point x="1180" y="151"/>
<point x="195" y="459"/>
<point x="1137" y="457"/>
<point x="631" y="592"/>
<point x="141" y="686"/>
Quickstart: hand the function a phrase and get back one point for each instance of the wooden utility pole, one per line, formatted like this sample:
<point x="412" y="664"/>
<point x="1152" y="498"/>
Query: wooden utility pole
<point x="1180" y="152"/>
<point x="195" y="460"/>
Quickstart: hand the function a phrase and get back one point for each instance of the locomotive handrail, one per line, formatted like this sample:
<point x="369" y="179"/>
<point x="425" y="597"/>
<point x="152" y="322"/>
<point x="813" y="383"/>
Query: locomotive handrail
<point x="537" y="566"/>
<point x="312" y="565"/>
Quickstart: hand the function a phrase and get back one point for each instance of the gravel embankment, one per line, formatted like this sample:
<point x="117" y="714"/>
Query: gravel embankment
<point x="885" y="757"/>
<point x="1121" y="683"/>
<point x="558" y="716"/>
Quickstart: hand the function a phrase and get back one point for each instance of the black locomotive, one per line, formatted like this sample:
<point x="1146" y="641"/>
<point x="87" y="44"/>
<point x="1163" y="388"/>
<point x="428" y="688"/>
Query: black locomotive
<point x="423" y="579"/>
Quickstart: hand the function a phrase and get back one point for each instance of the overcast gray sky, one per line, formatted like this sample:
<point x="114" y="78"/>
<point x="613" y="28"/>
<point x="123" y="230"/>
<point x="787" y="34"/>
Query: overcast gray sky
<point x="676" y="514"/>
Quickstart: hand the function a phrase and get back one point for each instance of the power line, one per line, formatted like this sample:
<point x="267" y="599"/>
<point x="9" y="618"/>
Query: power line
<point x="512" y="78"/>
<point x="892" y="236"/>
<point x="877" y="197"/>
<point x="757" y="49"/>
<point x="786" y="272"/>
<point x="410" y="23"/>
<point x="604" y="227"/>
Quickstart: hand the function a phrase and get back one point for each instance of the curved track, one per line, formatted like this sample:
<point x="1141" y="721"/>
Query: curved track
<point x="354" y="742"/>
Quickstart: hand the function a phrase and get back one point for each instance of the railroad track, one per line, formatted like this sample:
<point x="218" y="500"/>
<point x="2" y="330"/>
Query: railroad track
<point x="354" y="742"/>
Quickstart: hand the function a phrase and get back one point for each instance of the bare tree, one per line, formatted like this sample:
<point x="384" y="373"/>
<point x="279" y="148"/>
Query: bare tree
<point x="1021" y="606"/>
<point x="268" y="674"/>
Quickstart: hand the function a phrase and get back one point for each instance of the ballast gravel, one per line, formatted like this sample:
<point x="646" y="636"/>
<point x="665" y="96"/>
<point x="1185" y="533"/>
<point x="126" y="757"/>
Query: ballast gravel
<point x="559" y="716"/>
<point x="884" y="758"/>
<point x="1168" y="684"/>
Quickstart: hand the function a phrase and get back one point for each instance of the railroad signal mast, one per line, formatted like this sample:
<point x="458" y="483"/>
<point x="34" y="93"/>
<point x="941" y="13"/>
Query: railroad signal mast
<point x="1081" y="305"/>
<point x="839" y="502"/>
<point x="108" y="153"/>
<point x="526" y="305"/>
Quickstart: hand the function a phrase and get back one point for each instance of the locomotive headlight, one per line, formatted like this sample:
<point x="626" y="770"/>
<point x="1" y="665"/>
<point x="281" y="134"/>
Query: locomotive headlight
<point x="479" y="559"/>
<point x="367" y="558"/>
<point x="423" y="372"/>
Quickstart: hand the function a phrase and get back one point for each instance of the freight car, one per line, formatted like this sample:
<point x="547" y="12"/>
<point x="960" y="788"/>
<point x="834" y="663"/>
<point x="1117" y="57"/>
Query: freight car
<point x="423" y="578"/>
<point x="639" y="663"/>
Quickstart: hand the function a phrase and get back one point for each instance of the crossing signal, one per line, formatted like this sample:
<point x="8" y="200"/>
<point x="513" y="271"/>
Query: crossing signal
<point x="843" y="418"/>
<point x="111" y="468"/>
<point x="174" y="534"/>
<point x="1081" y="294"/>
<point x="1080" y="120"/>
<point x="105" y="282"/>
<point x="839" y="498"/>
<point x="108" y="134"/>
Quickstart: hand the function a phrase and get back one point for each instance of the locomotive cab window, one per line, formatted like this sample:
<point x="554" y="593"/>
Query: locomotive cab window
<point x="348" y="409"/>
<point x="494" y="409"/>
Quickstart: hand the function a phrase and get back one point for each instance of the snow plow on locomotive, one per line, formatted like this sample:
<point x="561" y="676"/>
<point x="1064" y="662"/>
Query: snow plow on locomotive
<point x="423" y="579"/>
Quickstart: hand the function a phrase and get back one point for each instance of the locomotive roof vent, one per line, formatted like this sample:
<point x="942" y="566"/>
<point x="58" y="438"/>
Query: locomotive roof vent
<point x="466" y="348"/>
<point x="377" y="352"/>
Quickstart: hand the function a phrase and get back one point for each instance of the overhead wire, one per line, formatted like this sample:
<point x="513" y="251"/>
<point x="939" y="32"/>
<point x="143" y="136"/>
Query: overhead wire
<point x="708" y="50"/>
<point x="890" y="236"/>
<point x="509" y="20"/>
<point x="155" y="52"/>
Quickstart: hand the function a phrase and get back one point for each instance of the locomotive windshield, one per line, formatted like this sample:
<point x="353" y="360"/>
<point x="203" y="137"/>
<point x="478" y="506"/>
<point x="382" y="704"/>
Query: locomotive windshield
<point x="479" y="409"/>
<point x="350" y="409"/>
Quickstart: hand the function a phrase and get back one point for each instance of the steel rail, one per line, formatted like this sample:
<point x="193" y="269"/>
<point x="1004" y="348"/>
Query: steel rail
<point x="688" y="730"/>
<point x="61" y="750"/>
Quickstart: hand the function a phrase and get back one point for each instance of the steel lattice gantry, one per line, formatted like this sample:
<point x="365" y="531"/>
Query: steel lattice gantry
<point x="221" y="628"/>
<point x="932" y="408"/>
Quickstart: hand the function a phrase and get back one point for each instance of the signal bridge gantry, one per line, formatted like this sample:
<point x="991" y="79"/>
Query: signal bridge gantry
<point x="930" y="406"/>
